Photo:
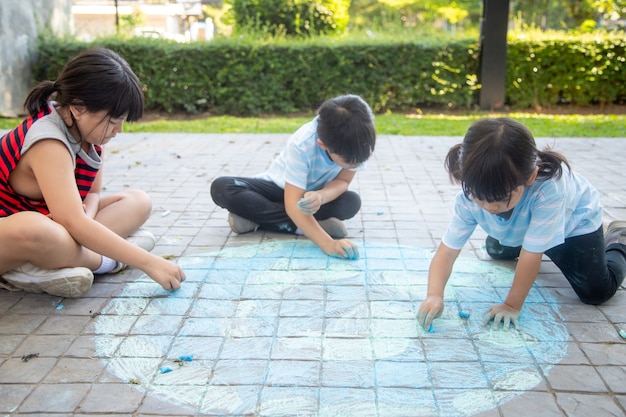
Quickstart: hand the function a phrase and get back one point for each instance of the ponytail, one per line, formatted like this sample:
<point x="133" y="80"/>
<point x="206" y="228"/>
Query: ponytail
<point x="550" y="164"/>
<point x="38" y="97"/>
<point x="453" y="163"/>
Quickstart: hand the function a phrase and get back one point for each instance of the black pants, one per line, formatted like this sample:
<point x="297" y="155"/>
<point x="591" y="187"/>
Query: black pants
<point x="263" y="202"/>
<point x="595" y="273"/>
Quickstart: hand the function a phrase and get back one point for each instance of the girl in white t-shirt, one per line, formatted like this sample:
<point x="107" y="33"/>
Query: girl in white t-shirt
<point x="529" y="202"/>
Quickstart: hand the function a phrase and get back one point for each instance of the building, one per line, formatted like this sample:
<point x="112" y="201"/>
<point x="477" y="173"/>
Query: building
<point x="171" y="19"/>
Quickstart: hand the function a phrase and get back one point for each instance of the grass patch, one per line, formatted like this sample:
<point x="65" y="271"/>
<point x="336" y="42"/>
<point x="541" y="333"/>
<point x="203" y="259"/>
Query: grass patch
<point x="541" y="125"/>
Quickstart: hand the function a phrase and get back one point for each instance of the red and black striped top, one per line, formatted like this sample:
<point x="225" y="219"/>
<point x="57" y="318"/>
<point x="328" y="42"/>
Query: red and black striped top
<point x="10" y="153"/>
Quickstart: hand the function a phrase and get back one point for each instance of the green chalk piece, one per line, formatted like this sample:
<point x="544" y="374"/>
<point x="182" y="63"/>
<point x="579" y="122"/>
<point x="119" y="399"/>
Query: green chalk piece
<point x="622" y="333"/>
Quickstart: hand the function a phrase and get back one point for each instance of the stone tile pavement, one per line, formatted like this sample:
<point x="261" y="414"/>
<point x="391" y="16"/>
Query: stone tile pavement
<point x="267" y="325"/>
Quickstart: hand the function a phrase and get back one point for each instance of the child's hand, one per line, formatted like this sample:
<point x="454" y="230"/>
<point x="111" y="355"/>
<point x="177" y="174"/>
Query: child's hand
<point x="502" y="313"/>
<point x="168" y="274"/>
<point x="310" y="203"/>
<point x="344" y="249"/>
<point x="430" y="309"/>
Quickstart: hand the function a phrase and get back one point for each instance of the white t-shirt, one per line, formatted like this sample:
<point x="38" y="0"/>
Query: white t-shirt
<point x="303" y="163"/>
<point x="549" y="211"/>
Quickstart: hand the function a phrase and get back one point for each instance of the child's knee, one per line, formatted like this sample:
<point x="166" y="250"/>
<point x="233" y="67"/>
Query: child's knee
<point x="141" y="201"/>
<point x="216" y="187"/>
<point x="354" y="199"/>
<point x="347" y="205"/>
<point x="499" y="252"/>
<point x="219" y="190"/>
<point x="595" y="298"/>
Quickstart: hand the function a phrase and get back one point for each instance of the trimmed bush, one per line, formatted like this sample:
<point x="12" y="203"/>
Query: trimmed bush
<point x="543" y="73"/>
<point x="253" y="78"/>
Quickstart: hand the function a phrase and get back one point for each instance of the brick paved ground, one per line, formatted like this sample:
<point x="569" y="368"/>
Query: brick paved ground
<point x="267" y="325"/>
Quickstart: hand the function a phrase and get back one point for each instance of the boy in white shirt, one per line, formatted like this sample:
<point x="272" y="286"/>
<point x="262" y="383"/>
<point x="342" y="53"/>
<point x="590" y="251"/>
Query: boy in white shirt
<point x="305" y="189"/>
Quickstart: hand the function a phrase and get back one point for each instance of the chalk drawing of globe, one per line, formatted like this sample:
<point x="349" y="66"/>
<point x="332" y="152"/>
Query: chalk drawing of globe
<point x="280" y="329"/>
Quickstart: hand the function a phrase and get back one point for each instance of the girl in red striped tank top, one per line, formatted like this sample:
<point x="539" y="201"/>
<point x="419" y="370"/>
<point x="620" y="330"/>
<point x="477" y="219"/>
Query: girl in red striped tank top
<point x="56" y="229"/>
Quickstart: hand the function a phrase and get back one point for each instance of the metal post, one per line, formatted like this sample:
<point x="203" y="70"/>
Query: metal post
<point x="117" y="19"/>
<point x="492" y="75"/>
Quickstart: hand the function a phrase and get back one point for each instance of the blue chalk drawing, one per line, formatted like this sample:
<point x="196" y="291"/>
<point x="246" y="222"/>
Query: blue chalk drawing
<point x="278" y="328"/>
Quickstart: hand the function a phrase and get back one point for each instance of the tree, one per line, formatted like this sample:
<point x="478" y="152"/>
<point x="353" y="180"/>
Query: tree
<point x="567" y="14"/>
<point x="292" y="17"/>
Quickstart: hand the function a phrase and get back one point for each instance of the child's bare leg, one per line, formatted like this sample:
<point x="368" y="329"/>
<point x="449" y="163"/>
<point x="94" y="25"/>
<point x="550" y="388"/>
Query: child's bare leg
<point x="124" y="212"/>
<point x="34" y="238"/>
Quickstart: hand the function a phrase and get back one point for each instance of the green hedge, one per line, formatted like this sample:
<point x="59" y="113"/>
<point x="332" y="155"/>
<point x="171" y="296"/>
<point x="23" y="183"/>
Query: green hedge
<point x="260" y="78"/>
<point x="543" y="73"/>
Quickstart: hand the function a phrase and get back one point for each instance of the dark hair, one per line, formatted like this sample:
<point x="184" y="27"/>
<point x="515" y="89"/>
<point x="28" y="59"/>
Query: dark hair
<point x="98" y="79"/>
<point x="498" y="155"/>
<point x="346" y="126"/>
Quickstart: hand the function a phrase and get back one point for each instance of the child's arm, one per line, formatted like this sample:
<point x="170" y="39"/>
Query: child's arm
<point x="91" y="203"/>
<point x="311" y="201"/>
<point x="526" y="272"/>
<point x="52" y="168"/>
<point x="310" y="227"/>
<point x="438" y="275"/>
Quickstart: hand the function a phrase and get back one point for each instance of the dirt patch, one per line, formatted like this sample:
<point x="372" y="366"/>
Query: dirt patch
<point x="151" y="115"/>
<point x="574" y="109"/>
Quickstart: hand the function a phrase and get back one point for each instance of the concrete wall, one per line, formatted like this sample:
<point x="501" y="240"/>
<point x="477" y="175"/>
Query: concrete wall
<point x="21" y="22"/>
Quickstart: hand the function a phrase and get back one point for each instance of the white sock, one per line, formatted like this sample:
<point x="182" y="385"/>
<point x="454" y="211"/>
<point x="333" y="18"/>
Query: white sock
<point x="106" y="266"/>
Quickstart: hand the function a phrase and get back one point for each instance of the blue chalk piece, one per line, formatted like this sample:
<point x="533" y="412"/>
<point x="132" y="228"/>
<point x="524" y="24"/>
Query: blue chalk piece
<point x="60" y="307"/>
<point x="165" y="369"/>
<point x="430" y="329"/>
<point x="463" y="315"/>
<point x="622" y="333"/>
<point x="380" y="213"/>
<point x="186" y="358"/>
